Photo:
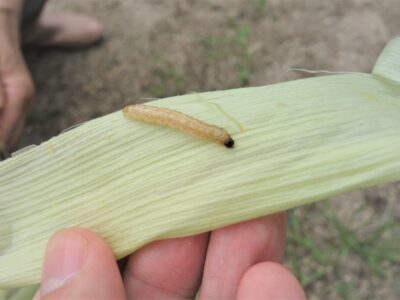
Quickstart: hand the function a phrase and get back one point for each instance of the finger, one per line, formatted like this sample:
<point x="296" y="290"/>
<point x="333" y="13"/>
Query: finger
<point x="2" y="135"/>
<point x="166" y="269"/>
<point x="234" y="249"/>
<point x="18" y="91"/>
<point x="268" y="280"/>
<point x="79" y="265"/>
<point x="2" y="96"/>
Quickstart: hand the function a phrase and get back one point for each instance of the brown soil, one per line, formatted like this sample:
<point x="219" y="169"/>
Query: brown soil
<point x="157" y="48"/>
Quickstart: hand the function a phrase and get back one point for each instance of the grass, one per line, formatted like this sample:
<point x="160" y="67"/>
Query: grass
<point x="229" y="52"/>
<point x="374" y="249"/>
<point x="260" y="8"/>
<point x="317" y="259"/>
<point x="344" y="290"/>
<point x="234" y="45"/>
<point x="166" y="80"/>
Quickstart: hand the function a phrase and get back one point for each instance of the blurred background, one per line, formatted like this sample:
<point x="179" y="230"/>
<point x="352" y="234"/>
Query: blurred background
<point x="342" y="248"/>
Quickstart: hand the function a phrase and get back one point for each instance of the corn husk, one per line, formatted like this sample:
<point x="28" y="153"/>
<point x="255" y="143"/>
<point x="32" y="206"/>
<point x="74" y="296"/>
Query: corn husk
<point x="134" y="182"/>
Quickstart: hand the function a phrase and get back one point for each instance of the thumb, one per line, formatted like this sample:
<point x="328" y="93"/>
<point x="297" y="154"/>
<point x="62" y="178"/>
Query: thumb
<point x="79" y="265"/>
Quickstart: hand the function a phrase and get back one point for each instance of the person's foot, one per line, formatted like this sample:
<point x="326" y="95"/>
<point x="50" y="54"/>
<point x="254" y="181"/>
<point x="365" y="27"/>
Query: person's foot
<point x="69" y="30"/>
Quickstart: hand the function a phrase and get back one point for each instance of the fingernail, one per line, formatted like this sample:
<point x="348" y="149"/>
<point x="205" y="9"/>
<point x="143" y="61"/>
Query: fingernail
<point x="65" y="255"/>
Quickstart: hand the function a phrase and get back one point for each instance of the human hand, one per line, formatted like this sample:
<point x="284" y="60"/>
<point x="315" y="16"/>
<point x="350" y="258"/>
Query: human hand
<point x="16" y="86"/>
<point x="240" y="261"/>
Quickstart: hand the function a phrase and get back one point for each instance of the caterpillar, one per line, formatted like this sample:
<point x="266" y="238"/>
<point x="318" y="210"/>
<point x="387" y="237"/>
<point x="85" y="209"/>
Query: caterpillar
<point x="178" y="120"/>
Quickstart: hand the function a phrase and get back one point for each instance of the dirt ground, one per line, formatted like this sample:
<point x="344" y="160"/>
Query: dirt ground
<point x="344" y="248"/>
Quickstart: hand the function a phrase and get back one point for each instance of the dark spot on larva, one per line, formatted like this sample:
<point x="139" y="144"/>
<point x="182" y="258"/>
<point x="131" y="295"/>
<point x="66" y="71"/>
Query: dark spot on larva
<point x="229" y="143"/>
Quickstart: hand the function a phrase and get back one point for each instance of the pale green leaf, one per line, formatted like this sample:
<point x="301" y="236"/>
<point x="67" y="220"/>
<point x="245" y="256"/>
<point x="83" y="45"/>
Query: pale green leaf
<point x="133" y="182"/>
